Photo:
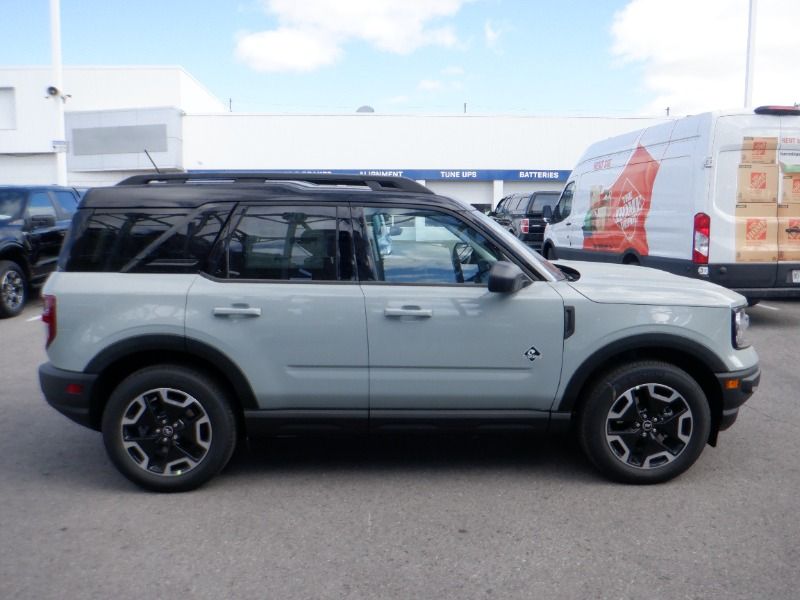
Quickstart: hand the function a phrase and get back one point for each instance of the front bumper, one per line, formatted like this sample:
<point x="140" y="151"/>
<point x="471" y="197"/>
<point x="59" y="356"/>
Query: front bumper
<point x="68" y="392"/>
<point x="736" y="388"/>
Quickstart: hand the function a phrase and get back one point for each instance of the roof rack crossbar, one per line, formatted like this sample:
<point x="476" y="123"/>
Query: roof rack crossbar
<point x="374" y="182"/>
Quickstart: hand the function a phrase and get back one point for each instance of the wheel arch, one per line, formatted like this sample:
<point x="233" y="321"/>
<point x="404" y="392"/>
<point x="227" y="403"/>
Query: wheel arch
<point x="16" y="254"/>
<point x="119" y="360"/>
<point x="698" y="361"/>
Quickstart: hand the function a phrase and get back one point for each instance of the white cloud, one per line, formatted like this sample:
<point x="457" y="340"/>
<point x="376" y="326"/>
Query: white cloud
<point x="286" y="50"/>
<point x="693" y="53"/>
<point x="317" y="30"/>
<point x="490" y="34"/>
<point x="430" y="85"/>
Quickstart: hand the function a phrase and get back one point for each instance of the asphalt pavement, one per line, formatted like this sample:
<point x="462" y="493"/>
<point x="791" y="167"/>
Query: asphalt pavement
<point x="403" y="517"/>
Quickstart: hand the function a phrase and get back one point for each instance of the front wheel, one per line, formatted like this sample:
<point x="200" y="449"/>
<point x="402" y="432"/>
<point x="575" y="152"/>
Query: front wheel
<point x="13" y="289"/>
<point x="169" y="428"/>
<point x="646" y="422"/>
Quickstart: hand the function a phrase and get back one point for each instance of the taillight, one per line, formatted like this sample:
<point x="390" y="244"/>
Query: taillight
<point x="524" y="226"/>
<point x="49" y="317"/>
<point x="702" y="235"/>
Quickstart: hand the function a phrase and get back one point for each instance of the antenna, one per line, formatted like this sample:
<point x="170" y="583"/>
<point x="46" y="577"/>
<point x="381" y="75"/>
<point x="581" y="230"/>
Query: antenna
<point x="155" y="166"/>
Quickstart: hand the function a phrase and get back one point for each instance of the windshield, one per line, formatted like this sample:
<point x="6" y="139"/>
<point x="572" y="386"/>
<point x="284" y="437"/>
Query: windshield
<point x="534" y="257"/>
<point x="11" y="202"/>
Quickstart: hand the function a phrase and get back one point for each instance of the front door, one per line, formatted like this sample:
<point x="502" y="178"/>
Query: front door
<point x="438" y="339"/>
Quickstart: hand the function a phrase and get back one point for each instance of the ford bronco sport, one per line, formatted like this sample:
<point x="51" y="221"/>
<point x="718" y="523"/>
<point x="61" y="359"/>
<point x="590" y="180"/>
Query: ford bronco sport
<point x="192" y="310"/>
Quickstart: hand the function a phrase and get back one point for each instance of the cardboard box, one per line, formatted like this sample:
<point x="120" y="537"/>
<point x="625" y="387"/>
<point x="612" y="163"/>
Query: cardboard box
<point x="756" y="232"/>
<point x="757" y="183"/>
<point x="791" y="188"/>
<point x="789" y="232"/>
<point x="759" y="150"/>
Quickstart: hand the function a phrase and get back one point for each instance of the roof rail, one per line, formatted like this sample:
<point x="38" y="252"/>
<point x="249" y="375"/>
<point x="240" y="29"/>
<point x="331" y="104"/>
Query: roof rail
<point x="378" y="183"/>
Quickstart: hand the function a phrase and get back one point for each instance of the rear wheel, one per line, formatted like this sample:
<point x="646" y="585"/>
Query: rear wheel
<point x="13" y="289"/>
<point x="646" y="422"/>
<point x="169" y="428"/>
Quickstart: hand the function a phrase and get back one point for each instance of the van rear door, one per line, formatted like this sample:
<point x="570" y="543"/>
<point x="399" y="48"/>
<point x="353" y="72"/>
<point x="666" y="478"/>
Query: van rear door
<point x="789" y="207"/>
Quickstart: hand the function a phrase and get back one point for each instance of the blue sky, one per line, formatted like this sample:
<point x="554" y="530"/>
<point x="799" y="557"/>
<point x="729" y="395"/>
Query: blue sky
<point x="609" y="57"/>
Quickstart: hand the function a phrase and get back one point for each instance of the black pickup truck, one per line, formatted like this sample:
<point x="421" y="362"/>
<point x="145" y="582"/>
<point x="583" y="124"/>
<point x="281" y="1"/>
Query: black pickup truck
<point x="522" y="215"/>
<point x="33" y="223"/>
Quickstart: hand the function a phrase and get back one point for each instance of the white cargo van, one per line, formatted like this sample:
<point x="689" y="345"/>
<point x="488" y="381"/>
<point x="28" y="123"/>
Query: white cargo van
<point x="713" y="196"/>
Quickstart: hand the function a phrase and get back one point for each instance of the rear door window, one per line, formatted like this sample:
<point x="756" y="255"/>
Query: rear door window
<point x="290" y="243"/>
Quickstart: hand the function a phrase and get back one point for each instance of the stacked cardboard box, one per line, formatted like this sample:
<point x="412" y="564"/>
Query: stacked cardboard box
<point x="789" y="214"/>
<point x="757" y="201"/>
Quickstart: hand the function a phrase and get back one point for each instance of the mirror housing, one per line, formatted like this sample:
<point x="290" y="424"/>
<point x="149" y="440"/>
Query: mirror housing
<point x="506" y="278"/>
<point x="547" y="214"/>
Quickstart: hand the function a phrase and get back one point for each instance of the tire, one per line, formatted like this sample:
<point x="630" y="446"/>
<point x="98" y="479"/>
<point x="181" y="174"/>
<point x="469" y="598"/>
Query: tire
<point x="549" y="253"/>
<point x="168" y="428"/>
<point x="646" y="422"/>
<point x="753" y="301"/>
<point x="13" y="289"/>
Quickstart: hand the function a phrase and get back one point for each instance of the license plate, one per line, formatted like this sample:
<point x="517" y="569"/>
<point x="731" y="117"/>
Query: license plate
<point x="795" y="276"/>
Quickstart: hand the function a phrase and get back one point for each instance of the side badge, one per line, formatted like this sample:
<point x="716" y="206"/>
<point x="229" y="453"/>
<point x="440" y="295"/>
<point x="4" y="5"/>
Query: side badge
<point x="532" y="354"/>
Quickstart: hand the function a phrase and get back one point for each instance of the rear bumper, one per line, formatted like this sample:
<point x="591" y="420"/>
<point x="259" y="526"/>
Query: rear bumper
<point x="736" y="388"/>
<point x="68" y="392"/>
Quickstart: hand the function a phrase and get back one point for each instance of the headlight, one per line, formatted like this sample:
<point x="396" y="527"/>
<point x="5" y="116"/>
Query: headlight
<point x="741" y="321"/>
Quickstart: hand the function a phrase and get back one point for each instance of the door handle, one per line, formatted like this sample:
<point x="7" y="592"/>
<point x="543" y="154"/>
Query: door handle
<point x="236" y="311"/>
<point x="408" y="311"/>
<point x="793" y="230"/>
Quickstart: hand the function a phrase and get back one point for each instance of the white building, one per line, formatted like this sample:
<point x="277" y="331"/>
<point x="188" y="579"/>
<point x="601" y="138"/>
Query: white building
<point x="114" y="114"/>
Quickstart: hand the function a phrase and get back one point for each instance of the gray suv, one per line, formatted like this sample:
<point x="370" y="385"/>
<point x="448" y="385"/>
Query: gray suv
<point x="191" y="311"/>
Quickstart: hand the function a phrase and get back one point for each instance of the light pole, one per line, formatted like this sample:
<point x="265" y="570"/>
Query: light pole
<point x="749" y="73"/>
<point x="59" y="145"/>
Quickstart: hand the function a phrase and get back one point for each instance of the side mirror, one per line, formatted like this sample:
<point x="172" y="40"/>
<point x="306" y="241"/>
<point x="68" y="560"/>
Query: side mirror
<point x="43" y="221"/>
<point x="547" y="214"/>
<point x="506" y="278"/>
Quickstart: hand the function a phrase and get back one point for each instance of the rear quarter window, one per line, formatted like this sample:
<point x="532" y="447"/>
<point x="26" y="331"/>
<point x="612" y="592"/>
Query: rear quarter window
<point x="135" y="241"/>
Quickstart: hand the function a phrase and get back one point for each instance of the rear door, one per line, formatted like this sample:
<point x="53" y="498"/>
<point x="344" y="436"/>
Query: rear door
<point x="45" y="233"/>
<point x="438" y="339"/>
<point x="284" y="305"/>
<point x="789" y="207"/>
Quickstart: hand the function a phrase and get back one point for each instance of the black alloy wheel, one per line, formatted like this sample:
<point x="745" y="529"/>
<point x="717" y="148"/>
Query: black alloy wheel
<point x="169" y="428"/>
<point x="645" y="423"/>
<point x="13" y="289"/>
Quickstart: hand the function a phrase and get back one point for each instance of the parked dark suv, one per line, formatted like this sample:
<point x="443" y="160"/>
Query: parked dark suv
<point x="522" y="215"/>
<point x="33" y="223"/>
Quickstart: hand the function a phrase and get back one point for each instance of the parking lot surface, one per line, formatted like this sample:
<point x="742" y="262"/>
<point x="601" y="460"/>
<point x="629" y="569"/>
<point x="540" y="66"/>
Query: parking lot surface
<point x="403" y="517"/>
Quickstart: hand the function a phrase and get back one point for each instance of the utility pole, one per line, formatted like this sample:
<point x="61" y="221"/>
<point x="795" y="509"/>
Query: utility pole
<point x="749" y="74"/>
<point x="58" y="98"/>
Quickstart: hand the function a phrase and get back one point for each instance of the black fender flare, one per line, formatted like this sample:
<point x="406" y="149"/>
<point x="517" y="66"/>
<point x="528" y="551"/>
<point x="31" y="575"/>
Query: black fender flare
<point x="177" y="345"/>
<point x="655" y="343"/>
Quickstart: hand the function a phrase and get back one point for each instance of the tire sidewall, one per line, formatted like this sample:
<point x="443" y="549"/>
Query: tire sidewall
<point x="592" y="421"/>
<point x="214" y="403"/>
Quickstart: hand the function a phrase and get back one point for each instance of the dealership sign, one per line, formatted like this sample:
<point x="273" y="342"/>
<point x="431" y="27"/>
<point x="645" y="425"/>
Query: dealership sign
<point x="431" y="174"/>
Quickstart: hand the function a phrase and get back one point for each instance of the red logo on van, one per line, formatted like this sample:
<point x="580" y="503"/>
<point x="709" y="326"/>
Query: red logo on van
<point x="756" y="230"/>
<point x="793" y="234"/>
<point x="616" y="218"/>
<point x="758" y="180"/>
<point x="759" y="148"/>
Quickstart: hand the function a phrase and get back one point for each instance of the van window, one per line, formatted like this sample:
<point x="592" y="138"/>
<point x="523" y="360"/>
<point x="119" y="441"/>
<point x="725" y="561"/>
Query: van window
<point x="564" y="206"/>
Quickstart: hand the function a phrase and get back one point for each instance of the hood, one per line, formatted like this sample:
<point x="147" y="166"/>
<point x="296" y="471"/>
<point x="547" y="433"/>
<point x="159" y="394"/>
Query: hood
<point x="629" y="284"/>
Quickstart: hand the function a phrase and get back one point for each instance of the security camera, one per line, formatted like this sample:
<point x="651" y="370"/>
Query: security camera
<point x="53" y="91"/>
